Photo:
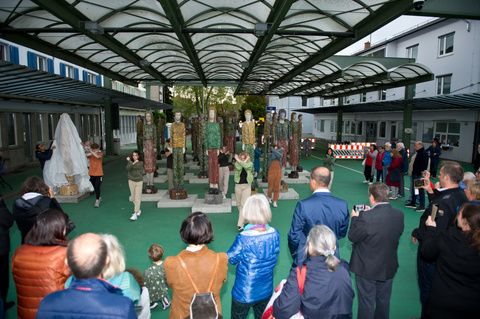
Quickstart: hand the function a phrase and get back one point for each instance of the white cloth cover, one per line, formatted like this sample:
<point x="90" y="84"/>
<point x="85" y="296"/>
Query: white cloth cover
<point x="143" y="308"/>
<point x="68" y="159"/>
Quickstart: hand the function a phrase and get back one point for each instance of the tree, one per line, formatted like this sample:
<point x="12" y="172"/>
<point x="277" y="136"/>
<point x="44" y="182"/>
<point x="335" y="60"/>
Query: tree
<point x="256" y="104"/>
<point x="189" y="99"/>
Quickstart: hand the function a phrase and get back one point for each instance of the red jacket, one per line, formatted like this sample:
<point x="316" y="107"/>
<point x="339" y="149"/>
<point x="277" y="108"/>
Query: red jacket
<point x="378" y="161"/>
<point x="394" y="165"/>
<point x="37" y="271"/>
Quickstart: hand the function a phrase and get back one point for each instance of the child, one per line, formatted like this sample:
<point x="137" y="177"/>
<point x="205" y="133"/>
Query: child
<point x="96" y="171"/>
<point x="155" y="278"/>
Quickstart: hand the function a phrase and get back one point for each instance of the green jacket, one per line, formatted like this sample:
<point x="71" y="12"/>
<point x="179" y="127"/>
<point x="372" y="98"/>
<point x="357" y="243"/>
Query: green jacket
<point x="213" y="138"/>
<point x="248" y="166"/>
<point x="329" y="162"/>
<point x="135" y="171"/>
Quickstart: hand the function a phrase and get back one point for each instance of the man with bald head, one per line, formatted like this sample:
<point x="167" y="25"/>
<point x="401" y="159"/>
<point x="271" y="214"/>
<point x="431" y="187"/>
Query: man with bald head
<point x="88" y="295"/>
<point x="319" y="209"/>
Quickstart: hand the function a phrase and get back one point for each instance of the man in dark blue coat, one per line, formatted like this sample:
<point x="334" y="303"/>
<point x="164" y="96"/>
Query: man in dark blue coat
<point x="43" y="154"/>
<point x="375" y="233"/>
<point x="88" y="295"/>
<point x="6" y="221"/>
<point x="319" y="209"/>
<point x="419" y="165"/>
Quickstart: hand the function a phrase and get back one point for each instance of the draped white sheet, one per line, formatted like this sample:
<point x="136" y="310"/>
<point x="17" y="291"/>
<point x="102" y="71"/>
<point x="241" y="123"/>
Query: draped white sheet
<point x="68" y="159"/>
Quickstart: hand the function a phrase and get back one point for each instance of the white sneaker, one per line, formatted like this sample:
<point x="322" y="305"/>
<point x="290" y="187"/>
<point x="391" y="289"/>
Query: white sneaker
<point x="365" y="182"/>
<point x="139" y="212"/>
<point x="370" y="183"/>
<point x="134" y="217"/>
<point x="274" y="204"/>
<point x="224" y="196"/>
<point x="269" y="200"/>
<point x="97" y="203"/>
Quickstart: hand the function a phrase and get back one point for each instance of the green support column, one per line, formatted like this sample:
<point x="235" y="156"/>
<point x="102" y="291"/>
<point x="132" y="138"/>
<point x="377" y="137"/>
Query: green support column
<point x="339" y="119"/>
<point x="107" y="104"/>
<point x="407" y="117"/>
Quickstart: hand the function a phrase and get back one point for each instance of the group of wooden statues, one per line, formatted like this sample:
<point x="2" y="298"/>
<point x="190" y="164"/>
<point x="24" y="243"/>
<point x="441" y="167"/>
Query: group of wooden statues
<point x="209" y="133"/>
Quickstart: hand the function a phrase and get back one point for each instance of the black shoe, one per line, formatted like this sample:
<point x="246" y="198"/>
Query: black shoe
<point x="419" y="209"/>
<point x="410" y="205"/>
<point x="180" y="187"/>
<point x="240" y="229"/>
<point x="210" y="191"/>
<point x="153" y="305"/>
<point x="215" y="191"/>
<point x="166" y="303"/>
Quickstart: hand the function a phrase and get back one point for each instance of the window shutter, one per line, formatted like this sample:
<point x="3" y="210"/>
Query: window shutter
<point x="62" y="69"/>
<point x="51" y="67"/>
<point x="75" y="74"/>
<point x="85" y="76"/>
<point x="32" y="60"/>
<point x="14" y="54"/>
<point x="99" y="80"/>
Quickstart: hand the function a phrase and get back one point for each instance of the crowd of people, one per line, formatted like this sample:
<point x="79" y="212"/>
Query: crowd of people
<point x="95" y="280"/>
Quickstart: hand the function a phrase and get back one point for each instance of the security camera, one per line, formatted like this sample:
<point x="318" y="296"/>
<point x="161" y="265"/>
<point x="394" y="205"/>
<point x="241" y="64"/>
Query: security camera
<point x="418" y="4"/>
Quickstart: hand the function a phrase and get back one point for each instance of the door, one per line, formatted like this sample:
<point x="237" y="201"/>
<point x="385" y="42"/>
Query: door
<point x="371" y="132"/>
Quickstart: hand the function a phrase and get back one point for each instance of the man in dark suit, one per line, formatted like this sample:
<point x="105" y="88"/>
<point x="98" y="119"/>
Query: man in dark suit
<point x="375" y="233"/>
<point x="6" y="221"/>
<point x="319" y="209"/>
<point x="419" y="166"/>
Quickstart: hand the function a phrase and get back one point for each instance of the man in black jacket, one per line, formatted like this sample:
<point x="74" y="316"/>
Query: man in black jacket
<point x="375" y="233"/>
<point x="43" y="154"/>
<point x="6" y="221"/>
<point x="419" y="166"/>
<point x="446" y="201"/>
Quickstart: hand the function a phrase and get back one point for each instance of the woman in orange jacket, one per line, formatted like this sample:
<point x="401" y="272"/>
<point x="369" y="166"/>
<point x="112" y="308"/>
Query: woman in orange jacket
<point x="38" y="266"/>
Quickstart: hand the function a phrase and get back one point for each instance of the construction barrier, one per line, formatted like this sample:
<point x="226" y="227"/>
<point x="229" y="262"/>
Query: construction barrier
<point x="347" y="151"/>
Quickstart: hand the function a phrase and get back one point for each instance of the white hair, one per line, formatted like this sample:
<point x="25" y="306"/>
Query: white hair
<point x="256" y="210"/>
<point x="322" y="242"/>
<point x="401" y="145"/>
<point x="116" y="256"/>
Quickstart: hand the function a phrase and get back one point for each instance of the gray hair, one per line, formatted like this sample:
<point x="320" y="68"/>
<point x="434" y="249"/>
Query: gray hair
<point x="256" y="210"/>
<point x="322" y="242"/>
<point x="401" y="145"/>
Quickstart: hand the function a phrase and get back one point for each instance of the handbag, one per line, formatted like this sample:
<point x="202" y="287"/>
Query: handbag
<point x="301" y="275"/>
<point x="203" y="305"/>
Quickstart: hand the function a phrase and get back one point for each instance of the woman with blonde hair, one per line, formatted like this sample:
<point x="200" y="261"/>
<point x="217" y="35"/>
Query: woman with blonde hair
<point x="255" y="253"/>
<point x="327" y="290"/>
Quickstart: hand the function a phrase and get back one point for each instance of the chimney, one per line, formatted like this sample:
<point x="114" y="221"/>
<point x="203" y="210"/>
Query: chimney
<point x="366" y="45"/>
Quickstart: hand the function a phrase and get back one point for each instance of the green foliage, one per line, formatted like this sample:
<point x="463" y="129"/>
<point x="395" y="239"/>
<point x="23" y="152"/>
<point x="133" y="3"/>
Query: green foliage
<point x="189" y="99"/>
<point x="157" y="115"/>
<point x="256" y="104"/>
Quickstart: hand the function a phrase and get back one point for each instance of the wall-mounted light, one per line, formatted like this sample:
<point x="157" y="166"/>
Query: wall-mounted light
<point x="261" y="29"/>
<point x="92" y="27"/>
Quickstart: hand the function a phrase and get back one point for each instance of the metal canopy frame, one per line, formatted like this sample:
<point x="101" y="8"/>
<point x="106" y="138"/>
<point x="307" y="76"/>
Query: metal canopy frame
<point x="22" y="83"/>
<point x="199" y="42"/>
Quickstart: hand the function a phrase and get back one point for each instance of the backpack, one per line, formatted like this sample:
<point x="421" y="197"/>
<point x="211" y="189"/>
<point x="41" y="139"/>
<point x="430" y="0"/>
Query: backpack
<point x="203" y="305"/>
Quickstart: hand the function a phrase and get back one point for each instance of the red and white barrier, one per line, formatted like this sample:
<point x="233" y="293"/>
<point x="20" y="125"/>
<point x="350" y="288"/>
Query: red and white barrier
<point x="347" y="151"/>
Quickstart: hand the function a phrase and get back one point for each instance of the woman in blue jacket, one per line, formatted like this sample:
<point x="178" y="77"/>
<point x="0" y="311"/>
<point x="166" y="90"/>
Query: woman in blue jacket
<point x="255" y="253"/>
<point x="434" y="151"/>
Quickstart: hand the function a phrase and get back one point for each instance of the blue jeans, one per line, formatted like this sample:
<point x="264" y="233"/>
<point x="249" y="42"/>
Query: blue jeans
<point x="240" y="310"/>
<point x="384" y="174"/>
<point x="425" y="273"/>
<point x="379" y="175"/>
<point x="412" y="190"/>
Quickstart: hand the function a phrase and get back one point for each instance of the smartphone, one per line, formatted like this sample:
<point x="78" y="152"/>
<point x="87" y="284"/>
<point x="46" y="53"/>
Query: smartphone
<point x="418" y="183"/>
<point x="359" y="207"/>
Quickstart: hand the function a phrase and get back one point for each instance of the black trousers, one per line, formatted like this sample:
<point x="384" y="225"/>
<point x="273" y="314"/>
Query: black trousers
<point x="4" y="280"/>
<point x="96" y="182"/>
<point x="368" y="173"/>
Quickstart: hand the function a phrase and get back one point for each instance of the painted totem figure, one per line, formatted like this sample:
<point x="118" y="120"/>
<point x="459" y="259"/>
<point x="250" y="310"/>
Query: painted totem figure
<point x="202" y="160"/>
<point x="161" y="132"/>
<point x="261" y="129"/>
<point x="193" y="138"/>
<point x="213" y="143"/>
<point x="149" y="150"/>
<point x="281" y="132"/>
<point x="300" y="130"/>
<point x="235" y="122"/>
<point x="230" y="133"/>
<point x="178" y="149"/>
<point x="158" y="145"/>
<point x="221" y="124"/>
<point x="266" y="145"/>
<point x="273" y="128"/>
<point x="140" y="133"/>
<point x="248" y="134"/>
<point x="293" y="134"/>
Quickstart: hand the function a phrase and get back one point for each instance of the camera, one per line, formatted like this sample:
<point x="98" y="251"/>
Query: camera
<point x="418" y="183"/>
<point x="359" y="208"/>
<point x="418" y="4"/>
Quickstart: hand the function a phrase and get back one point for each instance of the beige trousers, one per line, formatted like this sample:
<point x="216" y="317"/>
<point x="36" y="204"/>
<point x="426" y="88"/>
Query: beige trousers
<point x="242" y="192"/>
<point x="224" y="173"/>
<point x="170" y="178"/>
<point x="136" y="193"/>
<point x="331" y="180"/>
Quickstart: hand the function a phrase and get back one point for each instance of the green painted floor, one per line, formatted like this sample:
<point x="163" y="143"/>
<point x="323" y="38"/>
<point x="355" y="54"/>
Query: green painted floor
<point x="162" y="226"/>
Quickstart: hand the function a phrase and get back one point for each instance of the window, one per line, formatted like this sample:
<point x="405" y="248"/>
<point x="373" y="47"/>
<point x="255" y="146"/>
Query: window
<point x="363" y="97"/>
<point x="393" y="129"/>
<point x="444" y="84"/>
<point x="445" y="45"/>
<point x="427" y="136"/>
<point x="382" y="95"/>
<point x="359" y="128"/>
<point x="42" y="63"/>
<point x="346" y="99"/>
<point x="51" y="127"/>
<point x="39" y="127"/>
<point x="332" y="102"/>
<point x="333" y="126"/>
<point x="347" y="127"/>
<point x="377" y="54"/>
<point x="11" y="129"/>
<point x="449" y="133"/>
<point x="322" y="125"/>
<point x="412" y="52"/>
<point x="304" y="101"/>
<point x="382" y="129"/>
<point x="353" y="127"/>
<point x="4" y="52"/>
